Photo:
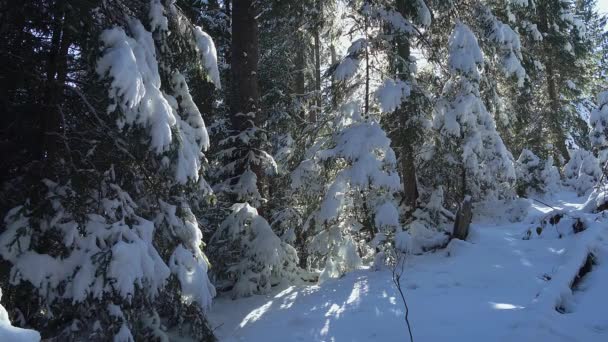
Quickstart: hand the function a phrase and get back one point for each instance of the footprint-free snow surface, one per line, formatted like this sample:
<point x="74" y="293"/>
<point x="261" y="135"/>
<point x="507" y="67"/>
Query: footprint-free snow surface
<point x="496" y="286"/>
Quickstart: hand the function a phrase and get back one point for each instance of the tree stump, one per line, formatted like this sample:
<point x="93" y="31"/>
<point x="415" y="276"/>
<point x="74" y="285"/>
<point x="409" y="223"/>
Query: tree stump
<point x="463" y="220"/>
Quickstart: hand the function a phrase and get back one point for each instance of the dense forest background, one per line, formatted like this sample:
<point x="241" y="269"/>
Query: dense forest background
<point x="155" y="153"/>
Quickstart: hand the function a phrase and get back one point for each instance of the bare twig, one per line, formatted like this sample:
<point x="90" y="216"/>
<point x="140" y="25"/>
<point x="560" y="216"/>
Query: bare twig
<point x="397" y="273"/>
<point x="545" y="204"/>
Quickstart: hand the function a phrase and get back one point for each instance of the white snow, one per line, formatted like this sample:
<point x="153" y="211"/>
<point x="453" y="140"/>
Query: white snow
<point x="346" y="69"/>
<point x="507" y="43"/>
<point x="206" y="49"/>
<point x="598" y="120"/>
<point x="158" y="21"/>
<point x="132" y="66"/>
<point x="391" y="94"/>
<point x="494" y="287"/>
<point x="172" y="121"/>
<point x="465" y="55"/>
<point x="424" y="14"/>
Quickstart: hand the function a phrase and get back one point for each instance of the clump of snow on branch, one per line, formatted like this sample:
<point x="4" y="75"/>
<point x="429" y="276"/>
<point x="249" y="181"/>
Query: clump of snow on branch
<point x="508" y="46"/>
<point x="391" y="94"/>
<point x="465" y="56"/>
<point x="208" y="53"/>
<point x="158" y="21"/>
<point x="188" y="262"/>
<point x="131" y="65"/>
<point x="135" y="87"/>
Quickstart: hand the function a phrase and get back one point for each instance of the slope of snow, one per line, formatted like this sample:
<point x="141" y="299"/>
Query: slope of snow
<point x="494" y="287"/>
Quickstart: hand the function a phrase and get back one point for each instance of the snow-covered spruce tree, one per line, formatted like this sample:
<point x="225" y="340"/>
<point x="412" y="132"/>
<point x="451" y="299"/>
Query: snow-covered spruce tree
<point x="582" y="172"/>
<point x="359" y="168"/>
<point x="535" y="175"/>
<point x="599" y="128"/>
<point x="429" y="227"/>
<point x="401" y="97"/>
<point x="293" y="100"/>
<point x="406" y="105"/>
<point x="113" y="247"/>
<point x="255" y="257"/>
<point x="247" y="255"/>
<point x="555" y="36"/>
<point x="353" y="167"/>
<point x="467" y="143"/>
<point x="501" y="59"/>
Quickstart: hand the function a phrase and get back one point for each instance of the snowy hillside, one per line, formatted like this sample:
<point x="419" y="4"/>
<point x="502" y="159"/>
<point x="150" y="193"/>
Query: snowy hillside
<point x="497" y="286"/>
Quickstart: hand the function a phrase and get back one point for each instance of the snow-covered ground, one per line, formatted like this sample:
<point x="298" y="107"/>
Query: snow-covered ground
<point x="493" y="287"/>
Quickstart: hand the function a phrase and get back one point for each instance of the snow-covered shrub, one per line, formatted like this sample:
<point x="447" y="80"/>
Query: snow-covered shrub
<point x="104" y="254"/>
<point x="535" y="175"/>
<point x="430" y="226"/>
<point x="597" y="201"/>
<point x="555" y="225"/>
<point x="357" y="206"/>
<point x="501" y="210"/>
<point x="582" y="172"/>
<point x="599" y="127"/>
<point x="252" y="257"/>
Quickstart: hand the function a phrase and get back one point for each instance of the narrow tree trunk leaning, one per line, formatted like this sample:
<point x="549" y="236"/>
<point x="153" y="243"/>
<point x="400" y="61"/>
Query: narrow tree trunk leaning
<point x="463" y="220"/>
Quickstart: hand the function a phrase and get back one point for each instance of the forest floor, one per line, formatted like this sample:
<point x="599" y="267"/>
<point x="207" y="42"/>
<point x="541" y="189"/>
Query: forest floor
<point x="495" y="286"/>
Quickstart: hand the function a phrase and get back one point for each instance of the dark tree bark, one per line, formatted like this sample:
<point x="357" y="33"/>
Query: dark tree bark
<point x="317" y="52"/>
<point x="407" y="166"/>
<point x="245" y="94"/>
<point x="553" y="118"/>
<point x="245" y="55"/>
<point x="463" y="220"/>
<point x="300" y="78"/>
<point x="55" y="81"/>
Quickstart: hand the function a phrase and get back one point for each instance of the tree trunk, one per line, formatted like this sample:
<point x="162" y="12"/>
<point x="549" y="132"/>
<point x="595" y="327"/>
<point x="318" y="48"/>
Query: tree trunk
<point x="553" y="118"/>
<point x="463" y="220"/>
<point x="55" y="81"/>
<point x="407" y="158"/>
<point x="245" y="91"/>
<point x="244" y="66"/>
<point x="317" y="51"/>
<point x="300" y="79"/>
<point x="366" y="70"/>
<point x="334" y="60"/>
